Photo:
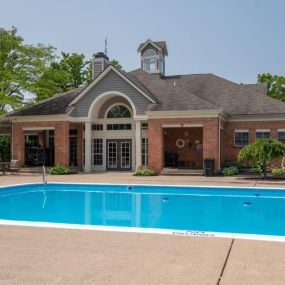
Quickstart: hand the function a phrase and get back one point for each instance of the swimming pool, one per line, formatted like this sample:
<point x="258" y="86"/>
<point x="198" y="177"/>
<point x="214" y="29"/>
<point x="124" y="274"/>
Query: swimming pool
<point x="191" y="210"/>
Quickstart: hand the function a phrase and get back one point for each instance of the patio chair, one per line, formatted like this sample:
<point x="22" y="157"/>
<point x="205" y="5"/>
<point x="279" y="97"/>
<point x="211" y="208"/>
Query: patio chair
<point x="15" y="166"/>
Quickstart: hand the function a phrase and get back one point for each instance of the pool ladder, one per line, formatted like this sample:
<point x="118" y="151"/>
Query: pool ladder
<point x="44" y="176"/>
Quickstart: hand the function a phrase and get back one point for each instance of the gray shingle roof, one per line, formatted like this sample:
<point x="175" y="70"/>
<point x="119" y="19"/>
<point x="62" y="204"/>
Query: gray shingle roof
<point x="55" y="105"/>
<point x="161" y="44"/>
<point x="180" y="92"/>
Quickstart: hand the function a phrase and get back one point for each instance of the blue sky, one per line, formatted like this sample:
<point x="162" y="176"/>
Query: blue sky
<point x="235" y="39"/>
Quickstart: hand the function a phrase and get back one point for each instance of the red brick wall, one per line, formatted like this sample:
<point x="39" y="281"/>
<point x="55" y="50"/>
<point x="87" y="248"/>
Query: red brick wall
<point x="61" y="140"/>
<point x="230" y="152"/>
<point x="156" y="146"/>
<point x="18" y="142"/>
<point x="61" y="143"/>
<point x="5" y="129"/>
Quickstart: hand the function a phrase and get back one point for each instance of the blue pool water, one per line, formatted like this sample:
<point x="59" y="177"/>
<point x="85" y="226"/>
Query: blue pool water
<point x="231" y="210"/>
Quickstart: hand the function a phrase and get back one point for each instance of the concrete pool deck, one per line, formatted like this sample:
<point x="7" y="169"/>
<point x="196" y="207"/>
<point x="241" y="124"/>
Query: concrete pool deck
<point x="31" y="255"/>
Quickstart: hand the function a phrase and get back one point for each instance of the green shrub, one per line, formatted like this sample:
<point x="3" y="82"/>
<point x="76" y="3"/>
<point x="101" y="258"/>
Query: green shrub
<point x="144" y="171"/>
<point x="234" y="163"/>
<point x="59" y="170"/>
<point x="257" y="168"/>
<point x="277" y="171"/>
<point x="232" y="170"/>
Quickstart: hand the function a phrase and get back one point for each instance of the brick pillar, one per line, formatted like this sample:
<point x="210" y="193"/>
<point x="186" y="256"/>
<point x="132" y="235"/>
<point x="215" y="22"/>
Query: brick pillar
<point x="80" y="146"/>
<point x="211" y="140"/>
<point x="18" y="143"/>
<point x="155" y="145"/>
<point x="61" y="143"/>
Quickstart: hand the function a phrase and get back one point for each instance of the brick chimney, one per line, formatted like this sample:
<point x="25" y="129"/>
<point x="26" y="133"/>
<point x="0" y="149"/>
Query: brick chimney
<point x="99" y="63"/>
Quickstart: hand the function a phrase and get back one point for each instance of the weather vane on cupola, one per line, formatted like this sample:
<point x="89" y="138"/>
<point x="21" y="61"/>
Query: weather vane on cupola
<point x="106" y="48"/>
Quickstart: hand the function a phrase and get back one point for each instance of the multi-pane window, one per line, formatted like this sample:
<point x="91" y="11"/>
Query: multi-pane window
<point x="281" y="135"/>
<point x="32" y="140"/>
<point x="144" y="126"/>
<point x="97" y="127"/>
<point x="263" y="134"/>
<point x="119" y="127"/>
<point x="97" y="151"/>
<point x="73" y="132"/>
<point x="150" y="64"/>
<point x="144" y="152"/>
<point x="73" y="147"/>
<point x="150" y="60"/>
<point x="119" y="111"/>
<point x="241" y="138"/>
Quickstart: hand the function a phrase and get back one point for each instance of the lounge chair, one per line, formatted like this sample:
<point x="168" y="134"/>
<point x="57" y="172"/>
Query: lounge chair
<point x="15" y="166"/>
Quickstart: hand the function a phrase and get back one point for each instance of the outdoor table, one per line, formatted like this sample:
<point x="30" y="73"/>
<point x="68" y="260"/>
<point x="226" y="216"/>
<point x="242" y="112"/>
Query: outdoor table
<point x="4" y="166"/>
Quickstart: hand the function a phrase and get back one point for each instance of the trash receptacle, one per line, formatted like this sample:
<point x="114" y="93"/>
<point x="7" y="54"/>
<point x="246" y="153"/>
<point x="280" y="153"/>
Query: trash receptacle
<point x="209" y="166"/>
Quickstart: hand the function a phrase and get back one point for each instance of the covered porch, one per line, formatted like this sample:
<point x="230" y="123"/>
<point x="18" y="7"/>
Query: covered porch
<point x="183" y="150"/>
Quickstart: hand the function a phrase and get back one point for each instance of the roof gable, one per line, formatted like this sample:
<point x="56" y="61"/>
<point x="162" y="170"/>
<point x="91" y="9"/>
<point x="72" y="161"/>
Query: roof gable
<point x="102" y="75"/>
<point x="111" y="85"/>
<point x="160" y="46"/>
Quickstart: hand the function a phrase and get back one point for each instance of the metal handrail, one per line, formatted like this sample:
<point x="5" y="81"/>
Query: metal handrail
<point x="44" y="176"/>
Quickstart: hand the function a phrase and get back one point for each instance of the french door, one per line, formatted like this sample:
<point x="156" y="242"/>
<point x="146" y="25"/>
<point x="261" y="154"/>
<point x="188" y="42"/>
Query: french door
<point x="119" y="154"/>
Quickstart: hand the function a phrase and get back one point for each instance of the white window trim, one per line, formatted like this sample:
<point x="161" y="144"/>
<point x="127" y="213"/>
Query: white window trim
<point x="149" y="56"/>
<point x="263" y="131"/>
<point x="118" y="104"/>
<point x="240" y="131"/>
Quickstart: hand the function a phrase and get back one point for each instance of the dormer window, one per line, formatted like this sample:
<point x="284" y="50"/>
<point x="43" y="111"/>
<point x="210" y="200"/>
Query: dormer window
<point x="153" y="56"/>
<point x="150" y="60"/>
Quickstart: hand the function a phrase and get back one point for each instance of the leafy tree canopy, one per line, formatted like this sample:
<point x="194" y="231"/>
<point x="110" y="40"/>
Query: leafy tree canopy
<point x="275" y="85"/>
<point x="116" y="64"/>
<point x="26" y="69"/>
<point x="70" y="72"/>
<point x="262" y="152"/>
<point x="20" y="67"/>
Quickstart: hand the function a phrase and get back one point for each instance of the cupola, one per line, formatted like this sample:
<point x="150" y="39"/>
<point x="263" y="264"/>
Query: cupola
<point x="153" y="56"/>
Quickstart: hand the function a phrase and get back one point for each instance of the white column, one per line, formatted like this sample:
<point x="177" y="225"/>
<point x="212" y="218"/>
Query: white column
<point x="138" y="144"/>
<point x="88" y="131"/>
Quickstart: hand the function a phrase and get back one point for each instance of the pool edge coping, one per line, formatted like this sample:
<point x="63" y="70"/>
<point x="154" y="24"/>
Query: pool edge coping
<point x="141" y="184"/>
<point x="186" y="233"/>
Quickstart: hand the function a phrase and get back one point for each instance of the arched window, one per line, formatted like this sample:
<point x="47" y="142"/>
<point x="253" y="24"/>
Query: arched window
<point x="149" y="52"/>
<point x="119" y="111"/>
<point x="150" y="60"/>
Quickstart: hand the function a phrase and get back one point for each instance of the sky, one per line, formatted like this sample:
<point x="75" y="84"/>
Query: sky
<point x="235" y="39"/>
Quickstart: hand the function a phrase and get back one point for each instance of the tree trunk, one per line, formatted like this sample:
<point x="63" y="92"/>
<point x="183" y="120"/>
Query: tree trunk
<point x="264" y="172"/>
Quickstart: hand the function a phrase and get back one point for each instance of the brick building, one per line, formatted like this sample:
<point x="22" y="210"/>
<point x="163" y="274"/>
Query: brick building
<point x="122" y="120"/>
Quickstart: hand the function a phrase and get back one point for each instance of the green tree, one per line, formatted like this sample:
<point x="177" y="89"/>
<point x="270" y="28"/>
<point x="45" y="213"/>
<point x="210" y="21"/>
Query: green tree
<point x="20" y="67"/>
<point x="275" y="85"/>
<point x="75" y="67"/>
<point x="116" y="64"/>
<point x="70" y="72"/>
<point x="53" y="80"/>
<point x="262" y="153"/>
